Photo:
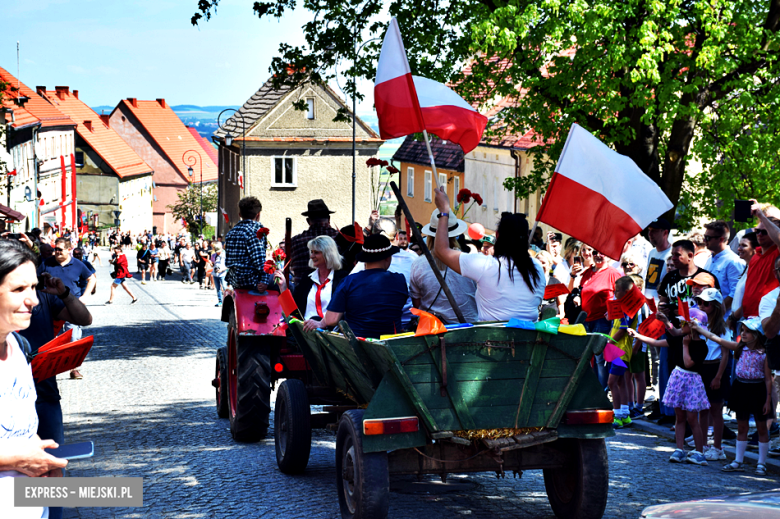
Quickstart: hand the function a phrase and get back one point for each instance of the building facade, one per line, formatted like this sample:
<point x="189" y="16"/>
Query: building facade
<point x="18" y="170"/>
<point x="115" y="184"/>
<point x="293" y="157"/>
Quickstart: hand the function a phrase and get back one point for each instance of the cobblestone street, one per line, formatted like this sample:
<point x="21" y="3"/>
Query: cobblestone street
<point x="147" y="403"/>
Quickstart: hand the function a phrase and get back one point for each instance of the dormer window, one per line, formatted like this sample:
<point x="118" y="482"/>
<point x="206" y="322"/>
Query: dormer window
<point x="310" y="108"/>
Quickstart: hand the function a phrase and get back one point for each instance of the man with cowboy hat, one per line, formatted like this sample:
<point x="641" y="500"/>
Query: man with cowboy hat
<point x="318" y="217"/>
<point x="371" y="301"/>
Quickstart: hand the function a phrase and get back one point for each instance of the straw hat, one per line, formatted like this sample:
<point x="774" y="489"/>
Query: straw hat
<point x="457" y="227"/>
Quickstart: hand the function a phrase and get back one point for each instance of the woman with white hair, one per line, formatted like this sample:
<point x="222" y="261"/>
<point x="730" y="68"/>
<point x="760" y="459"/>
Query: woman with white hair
<point x="313" y="293"/>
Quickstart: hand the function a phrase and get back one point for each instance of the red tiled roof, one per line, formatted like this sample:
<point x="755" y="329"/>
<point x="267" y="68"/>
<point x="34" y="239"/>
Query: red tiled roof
<point x="446" y="154"/>
<point x="167" y="130"/>
<point x="305" y="139"/>
<point x="36" y="106"/>
<point x="103" y="140"/>
<point x="21" y="117"/>
<point x="211" y="150"/>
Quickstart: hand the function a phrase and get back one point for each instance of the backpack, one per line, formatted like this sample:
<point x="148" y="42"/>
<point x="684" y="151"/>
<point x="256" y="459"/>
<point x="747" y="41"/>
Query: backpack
<point x="25" y="345"/>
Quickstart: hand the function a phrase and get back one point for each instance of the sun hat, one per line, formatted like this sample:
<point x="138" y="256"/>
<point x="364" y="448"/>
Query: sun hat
<point x="711" y="294"/>
<point x="754" y="323"/>
<point x="456" y="226"/>
<point x="376" y="248"/>
<point x="317" y="208"/>
<point x="702" y="278"/>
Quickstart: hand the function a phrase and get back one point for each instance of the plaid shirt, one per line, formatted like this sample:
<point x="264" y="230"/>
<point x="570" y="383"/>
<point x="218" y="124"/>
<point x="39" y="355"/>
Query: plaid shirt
<point x="245" y="255"/>
<point x="300" y="252"/>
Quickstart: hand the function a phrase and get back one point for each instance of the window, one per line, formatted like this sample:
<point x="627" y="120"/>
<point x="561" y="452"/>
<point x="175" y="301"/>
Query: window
<point x="79" y="159"/>
<point x="428" y="182"/>
<point x="495" y="194"/>
<point x="443" y="181"/>
<point x="410" y="182"/>
<point x="455" y="186"/>
<point x="284" y="172"/>
<point x="310" y="105"/>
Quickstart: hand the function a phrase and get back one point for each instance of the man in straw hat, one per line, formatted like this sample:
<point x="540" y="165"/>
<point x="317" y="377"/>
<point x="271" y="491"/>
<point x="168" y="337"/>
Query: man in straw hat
<point x="371" y="301"/>
<point x="318" y="217"/>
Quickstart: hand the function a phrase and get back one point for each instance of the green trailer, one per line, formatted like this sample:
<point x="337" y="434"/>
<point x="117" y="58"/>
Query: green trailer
<point x="482" y="398"/>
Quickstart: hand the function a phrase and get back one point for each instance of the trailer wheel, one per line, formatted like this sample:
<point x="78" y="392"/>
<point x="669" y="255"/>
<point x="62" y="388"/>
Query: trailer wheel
<point x="579" y="489"/>
<point x="221" y="383"/>
<point x="362" y="480"/>
<point x="292" y="427"/>
<point x="249" y="386"/>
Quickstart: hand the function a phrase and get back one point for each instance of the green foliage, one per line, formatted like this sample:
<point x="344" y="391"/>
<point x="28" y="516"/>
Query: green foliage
<point x="188" y="206"/>
<point x="665" y="83"/>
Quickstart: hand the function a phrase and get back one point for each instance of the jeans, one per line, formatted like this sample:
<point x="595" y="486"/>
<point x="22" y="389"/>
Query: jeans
<point x="600" y="326"/>
<point x="77" y="333"/>
<point x="219" y="280"/>
<point x="50" y="428"/>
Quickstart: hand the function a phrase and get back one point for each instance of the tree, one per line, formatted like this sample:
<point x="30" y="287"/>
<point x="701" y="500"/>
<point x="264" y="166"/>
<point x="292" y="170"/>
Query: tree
<point x="187" y="207"/>
<point x="665" y="83"/>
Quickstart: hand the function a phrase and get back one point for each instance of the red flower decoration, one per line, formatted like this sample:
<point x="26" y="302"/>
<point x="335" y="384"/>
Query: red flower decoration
<point x="262" y="232"/>
<point x="477" y="198"/>
<point x="463" y="196"/>
<point x="391" y="169"/>
<point x="373" y="161"/>
<point x="279" y="255"/>
<point x="269" y="267"/>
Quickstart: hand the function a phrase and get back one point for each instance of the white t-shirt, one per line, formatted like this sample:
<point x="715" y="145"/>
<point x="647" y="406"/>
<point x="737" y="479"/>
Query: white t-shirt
<point x="187" y="255"/>
<point x="767" y="305"/>
<point x="656" y="270"/>
<point x="739" y="291"/>
<point x="713" y="348"/>
<point x="325" y="293"/>
<point x="500" y="299"/>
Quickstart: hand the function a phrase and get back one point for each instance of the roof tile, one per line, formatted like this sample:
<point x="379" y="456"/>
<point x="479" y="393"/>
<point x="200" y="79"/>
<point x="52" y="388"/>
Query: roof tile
<point x="446" y="154"/>
<point x="36" y="106"/>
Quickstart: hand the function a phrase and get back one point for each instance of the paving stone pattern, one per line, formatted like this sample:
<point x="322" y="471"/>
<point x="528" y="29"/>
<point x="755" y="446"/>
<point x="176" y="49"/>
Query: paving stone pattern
<point x="147" y="403"/>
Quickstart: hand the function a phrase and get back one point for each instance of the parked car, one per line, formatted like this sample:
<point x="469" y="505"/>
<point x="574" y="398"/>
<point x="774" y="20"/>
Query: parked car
<point x="764" y="505"/>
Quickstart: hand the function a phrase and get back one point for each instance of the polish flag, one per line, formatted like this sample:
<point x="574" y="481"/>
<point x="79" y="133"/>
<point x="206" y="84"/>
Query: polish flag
<point x="598" y="196"/>
<point x="224" y="214"/>
<point x="12" y="173"/>
<point x="408" y="104"/>
<point x="240" y="180"/>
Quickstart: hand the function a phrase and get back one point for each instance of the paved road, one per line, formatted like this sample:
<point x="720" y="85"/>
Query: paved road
<point x="147" y="403"/>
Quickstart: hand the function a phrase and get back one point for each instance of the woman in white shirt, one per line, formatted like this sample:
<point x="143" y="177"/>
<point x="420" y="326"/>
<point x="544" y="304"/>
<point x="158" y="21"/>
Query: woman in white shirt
<point x="510" y="283"/>
<point x="313" y="292"/>
<point x="22" y="452"/>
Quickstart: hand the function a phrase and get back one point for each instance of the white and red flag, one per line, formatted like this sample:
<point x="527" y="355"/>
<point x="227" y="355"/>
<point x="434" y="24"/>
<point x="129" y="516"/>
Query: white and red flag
<point x="224" y="214"/>
<point x="407" y="104"/>
<point x="598" y="196"/>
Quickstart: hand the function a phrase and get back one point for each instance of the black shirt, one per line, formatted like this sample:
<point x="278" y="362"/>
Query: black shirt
<point x="674" y="285"/>
<point x="41" y="331"/>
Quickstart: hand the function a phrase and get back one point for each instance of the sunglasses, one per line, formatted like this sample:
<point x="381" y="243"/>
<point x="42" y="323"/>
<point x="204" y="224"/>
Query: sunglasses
<point x="59" y="249"/>
<point x="762" y="232"/>
<point x="708" y="238"/>
<point x="701" y="302"/>
<point x="628" y="264"/>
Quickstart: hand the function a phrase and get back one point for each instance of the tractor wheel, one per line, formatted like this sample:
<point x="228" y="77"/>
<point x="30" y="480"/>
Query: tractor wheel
<point x="362" y="480"/>
<point x="249" y="386"/>
<point x="221" y="383"/>
<point x="292" y="427"/>
<point x="579" y="489"/>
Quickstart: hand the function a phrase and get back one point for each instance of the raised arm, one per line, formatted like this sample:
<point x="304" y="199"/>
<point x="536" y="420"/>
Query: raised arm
<point x="714" y="338"/>
<point x="772" y="230"/>
<point x="441" y="246"/>
<point x="647" y="340"/>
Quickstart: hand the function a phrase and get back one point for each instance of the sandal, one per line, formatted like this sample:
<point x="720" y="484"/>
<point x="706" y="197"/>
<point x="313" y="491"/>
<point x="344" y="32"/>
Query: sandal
<point x="733" y="467"/>
<point x="760" y="469"/>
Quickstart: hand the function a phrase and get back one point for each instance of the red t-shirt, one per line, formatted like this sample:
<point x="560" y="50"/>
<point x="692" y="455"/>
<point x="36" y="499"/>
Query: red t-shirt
<point x="596" y="289"/>
<point x="760" y="279"/>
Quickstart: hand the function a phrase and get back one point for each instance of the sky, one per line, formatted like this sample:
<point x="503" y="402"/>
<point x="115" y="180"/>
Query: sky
<point x="110" y="50"/>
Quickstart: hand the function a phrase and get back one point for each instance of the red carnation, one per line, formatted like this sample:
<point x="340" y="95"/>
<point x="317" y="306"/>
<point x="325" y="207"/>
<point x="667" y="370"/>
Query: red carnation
<point x="477" y="198"/>
<point x="391" y="169"/>
<point x="464" y="196"/>
<point x="383" y="163"/>
<point x="269" y="267"/>
<point x="373" y="161"/>
<point x="262" y="232"/>
<point x="279" y="255"/>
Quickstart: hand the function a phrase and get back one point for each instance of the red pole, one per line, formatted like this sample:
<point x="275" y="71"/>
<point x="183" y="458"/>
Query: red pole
<point x="64" y="193"/>
<point x="74" y="212"/>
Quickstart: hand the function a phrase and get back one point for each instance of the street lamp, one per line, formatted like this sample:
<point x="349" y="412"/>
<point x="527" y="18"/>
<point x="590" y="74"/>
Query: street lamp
<point x="354" y="110"/>
<point x="189" y="161"/>
<point x="229" y="141"/>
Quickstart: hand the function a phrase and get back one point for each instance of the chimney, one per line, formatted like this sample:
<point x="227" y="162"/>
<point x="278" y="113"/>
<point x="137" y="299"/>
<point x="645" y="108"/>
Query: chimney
<point x="88" y="125"/>
<point x="133" y="102"/>
<point x="162" y="103"/>
<point x="62" y="91"/>
<point x="41" y="90"/>
<point x="76" y="94"/>
<point x="104" y="118"/>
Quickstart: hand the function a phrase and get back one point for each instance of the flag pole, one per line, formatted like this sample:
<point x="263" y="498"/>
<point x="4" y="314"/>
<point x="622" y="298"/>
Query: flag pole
<point x="430" y="155"/>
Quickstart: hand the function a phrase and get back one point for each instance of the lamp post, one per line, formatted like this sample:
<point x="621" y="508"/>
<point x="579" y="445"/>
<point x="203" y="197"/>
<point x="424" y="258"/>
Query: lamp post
<point x="189" y="161"/>
<point x="354" y="110"/>
<point x="229" y="141"/>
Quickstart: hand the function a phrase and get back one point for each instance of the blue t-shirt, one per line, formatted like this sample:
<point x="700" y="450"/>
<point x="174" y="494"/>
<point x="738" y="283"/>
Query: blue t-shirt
<point x="41" y="331"/>
<point x="71" y="274"/>
<point x="83" y="283"/>
<point x="372" y="302"/>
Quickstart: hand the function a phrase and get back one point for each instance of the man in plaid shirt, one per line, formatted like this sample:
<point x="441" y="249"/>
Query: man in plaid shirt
<point x="318" y="218"/>
<point x="245" y="252"/>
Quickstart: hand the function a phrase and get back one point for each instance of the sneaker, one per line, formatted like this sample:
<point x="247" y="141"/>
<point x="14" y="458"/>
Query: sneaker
<point x="678" y="456"/>
<point x="143" y="282"/>
<point x="774" y="451"/>
<point x="617" y="423"/>
<point x="689" y="441"/>
<point x="75" y="374"/>
<point x="218" y="304"/>
<point x="728" y="434"/>
<point x="760" y="469"/>
<point x="714" y="454"/>
<point x="733" y="467"/>
<point x="774" y="430"/>
<point x="636" y="413"/>
<point x="626" y="421"/>
<point x="697" y="458"/>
